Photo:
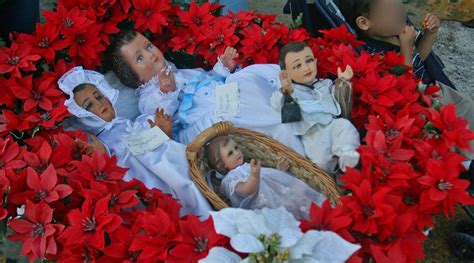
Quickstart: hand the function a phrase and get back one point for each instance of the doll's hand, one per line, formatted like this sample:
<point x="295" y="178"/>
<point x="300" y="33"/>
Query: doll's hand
<point x="255" y="168"/>
<point x="283" y="165"/>
<point x="166" y="79"/>
<point x="163" y="121"/>
<point x="431" y="23"/>
<point x="346" y="75"/>
<point x="90" y="148"/>
<point x="407" y="36"/>
<point x="228" y="58"/>
<point x="285" y="81"/>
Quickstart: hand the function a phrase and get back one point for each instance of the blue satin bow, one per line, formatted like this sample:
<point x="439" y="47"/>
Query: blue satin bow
<point x="194" y="85"/>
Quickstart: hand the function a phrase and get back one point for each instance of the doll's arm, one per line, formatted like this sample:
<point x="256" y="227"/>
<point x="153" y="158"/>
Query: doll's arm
<point x="152" y="97"/>
<point x="285" y="88"/>
<point x="226" y="63"/>
<point x="163" y="121"/>
<point x="253" y="182"/>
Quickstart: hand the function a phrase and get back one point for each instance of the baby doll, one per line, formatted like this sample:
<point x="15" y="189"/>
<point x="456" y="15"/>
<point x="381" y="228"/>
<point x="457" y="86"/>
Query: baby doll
<point x="250" y="186"/>
<point x="91" y="100"/>
<point x="328" y="141"/>
<point x="189" y="95"/>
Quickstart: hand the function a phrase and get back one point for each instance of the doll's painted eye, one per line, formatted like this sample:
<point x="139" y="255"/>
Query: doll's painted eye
<point x="99" y="97"/>
<point x="297" y="66"/>
<point x="89" y="106"/>
<point x="139" y="58"/>
<point x="310" y="60"/>
<point x="149" y="46"/>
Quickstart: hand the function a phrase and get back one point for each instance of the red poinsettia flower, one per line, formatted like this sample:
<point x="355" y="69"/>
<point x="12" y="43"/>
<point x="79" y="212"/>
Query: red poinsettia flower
<point x="368" y="208"/>
<point x="196" y="16"/>
<point x="120" y="197"/>
<point x="443" y="189"/>
<point x="90" y="224"/>
<point x="43" y="187"/>
<point x="118" y="249"/>
<point x="47" y="119"/>
<point x="220" y="34"/>
<point x="454" y="130"/>
<point x="45" y="41"/>
<point x="392" y="151"/>
<point x="198" y="238"/>
<point x="36" y="231"/>
<point x="43" y="93"/>
<point x="378" y="92"/>
<point x="256" y="43"/>
<point x="154" y="234"/>
<point x="150" y="14"/>
<point x="10" y="155"/>
<point x="86" y="45"/>
<point x="327" y="218"/>
<point x="186" y="39"/>
<point x="155" y="198"/>
<point x="4" y="187"/>
<point x="241" y="19"/>
<point x="338" y="35"/>
<point x="18" y="56"/>
<point x="67" y="19"/>
<point x="8" y="98"/>
<point x="405" y="241"/>
<point x="101" y="168"/>
<point x="433" y="149"/>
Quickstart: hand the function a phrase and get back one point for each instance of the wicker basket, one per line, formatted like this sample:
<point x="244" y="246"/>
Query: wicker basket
<point x="257" y="146"/>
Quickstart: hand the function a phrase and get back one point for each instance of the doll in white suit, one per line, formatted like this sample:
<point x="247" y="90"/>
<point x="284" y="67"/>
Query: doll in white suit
<point x="329" y="141"/>
<point x="91" y="100"/>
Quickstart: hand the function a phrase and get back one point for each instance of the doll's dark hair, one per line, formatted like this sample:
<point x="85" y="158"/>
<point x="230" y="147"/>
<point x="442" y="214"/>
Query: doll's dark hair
<point x="352" y="9"/>
<point x="213" y="153"/>
<point x="82" y="86"/>
<point x="288" y="48"/>
<point x="120" y="67"/>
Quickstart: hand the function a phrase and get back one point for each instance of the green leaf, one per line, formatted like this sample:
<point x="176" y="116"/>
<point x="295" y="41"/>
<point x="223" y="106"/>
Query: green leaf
<point x="298" y="22"/>
<point x="398" y="70"/>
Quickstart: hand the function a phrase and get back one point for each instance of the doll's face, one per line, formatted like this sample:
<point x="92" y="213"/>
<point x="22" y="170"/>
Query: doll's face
<point x="143" y="57"/>
<point x="301" y="66"/>
<point x="231" y="155"/>
<point x="91" y="99"/>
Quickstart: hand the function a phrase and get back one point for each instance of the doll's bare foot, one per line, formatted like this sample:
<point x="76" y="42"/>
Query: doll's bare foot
<point x="283" y="165"/>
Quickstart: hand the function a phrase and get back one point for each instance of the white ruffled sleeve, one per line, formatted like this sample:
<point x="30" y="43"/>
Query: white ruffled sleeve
<point x="229" y="184"/>
<point x="221" y="70"/>
<point x="151" y="97"/>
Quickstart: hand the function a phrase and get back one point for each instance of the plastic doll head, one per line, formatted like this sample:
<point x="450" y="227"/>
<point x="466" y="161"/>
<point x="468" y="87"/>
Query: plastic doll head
<point x="298" y="60"/>
<point x="135" y="60"/>
<point x="223" y="154"/>
<point x="91" y="99"/>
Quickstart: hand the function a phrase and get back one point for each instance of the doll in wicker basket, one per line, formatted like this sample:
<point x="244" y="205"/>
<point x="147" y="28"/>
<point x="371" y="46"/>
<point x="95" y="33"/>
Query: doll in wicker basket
<point x="250" y="186"/>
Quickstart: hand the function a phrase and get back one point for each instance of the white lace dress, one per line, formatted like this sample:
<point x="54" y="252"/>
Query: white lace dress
<point x="277" y="188"/>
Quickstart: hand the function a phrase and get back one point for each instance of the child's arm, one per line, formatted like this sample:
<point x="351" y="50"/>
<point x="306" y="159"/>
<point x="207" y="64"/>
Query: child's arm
<point x="431" y="24"/>
<point x="407" y="39"/>
<point x="253" y="182"/>
<point x="163" y="121"/>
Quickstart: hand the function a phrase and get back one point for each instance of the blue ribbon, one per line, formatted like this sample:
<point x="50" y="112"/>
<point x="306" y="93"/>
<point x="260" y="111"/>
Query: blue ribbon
<point x="194" y="85"/>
